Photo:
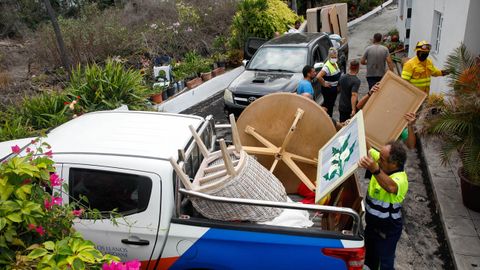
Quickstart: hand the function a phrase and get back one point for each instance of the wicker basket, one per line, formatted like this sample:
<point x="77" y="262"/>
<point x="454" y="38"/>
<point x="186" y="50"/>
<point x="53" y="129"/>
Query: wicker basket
<point x="253" y="181"/>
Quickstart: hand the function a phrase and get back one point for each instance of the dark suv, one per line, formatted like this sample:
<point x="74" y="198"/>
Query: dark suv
<point x="277" y="67"/>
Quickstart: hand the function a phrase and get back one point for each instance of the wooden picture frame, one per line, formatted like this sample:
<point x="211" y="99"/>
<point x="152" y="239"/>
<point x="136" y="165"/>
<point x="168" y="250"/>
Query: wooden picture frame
<point x="385" y="110"/>
<point x="338" y="158"/>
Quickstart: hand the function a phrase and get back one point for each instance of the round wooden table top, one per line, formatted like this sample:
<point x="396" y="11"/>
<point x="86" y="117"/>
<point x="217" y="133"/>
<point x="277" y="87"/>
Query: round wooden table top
<point x="272" y="116"/>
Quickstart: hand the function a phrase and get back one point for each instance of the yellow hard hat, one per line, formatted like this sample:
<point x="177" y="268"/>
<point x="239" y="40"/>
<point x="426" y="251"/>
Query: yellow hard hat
<point x="423" y="46"/>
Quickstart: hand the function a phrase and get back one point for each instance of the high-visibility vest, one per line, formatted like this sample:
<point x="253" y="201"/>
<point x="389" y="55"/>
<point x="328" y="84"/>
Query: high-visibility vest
<point x="419" y="73"/>
<point x="379" y="202"/>
<point x="335" y="74"/>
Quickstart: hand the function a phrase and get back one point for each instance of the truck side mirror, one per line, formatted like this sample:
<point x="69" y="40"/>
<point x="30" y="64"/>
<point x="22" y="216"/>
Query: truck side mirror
<point x="244" y="62"/>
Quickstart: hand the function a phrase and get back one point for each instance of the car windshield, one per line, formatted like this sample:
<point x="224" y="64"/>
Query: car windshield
<point x="279" y="59"/>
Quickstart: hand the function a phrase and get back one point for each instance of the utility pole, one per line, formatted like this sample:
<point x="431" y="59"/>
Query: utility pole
<point x="58" y="35"/>
<point x="294" y="6"/>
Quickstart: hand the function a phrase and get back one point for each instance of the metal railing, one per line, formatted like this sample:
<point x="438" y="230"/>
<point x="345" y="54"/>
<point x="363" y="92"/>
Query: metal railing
<point x="284" y="205"/>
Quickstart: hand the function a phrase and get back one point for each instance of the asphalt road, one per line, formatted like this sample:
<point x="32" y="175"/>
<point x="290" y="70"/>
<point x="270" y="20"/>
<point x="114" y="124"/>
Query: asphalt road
<point x="422" y="244"/>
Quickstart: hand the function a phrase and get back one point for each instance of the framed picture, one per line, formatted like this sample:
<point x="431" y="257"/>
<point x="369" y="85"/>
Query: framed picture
<point x="338" y="158"/>
<point x="385" y="110"/>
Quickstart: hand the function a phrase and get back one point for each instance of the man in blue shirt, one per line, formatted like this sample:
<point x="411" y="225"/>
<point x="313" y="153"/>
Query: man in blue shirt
<point x="305" y="87"/>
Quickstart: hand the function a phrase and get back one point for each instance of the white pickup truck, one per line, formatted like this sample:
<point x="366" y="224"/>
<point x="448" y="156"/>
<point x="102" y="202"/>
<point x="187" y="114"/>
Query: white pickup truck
<point x="120" y="160"/>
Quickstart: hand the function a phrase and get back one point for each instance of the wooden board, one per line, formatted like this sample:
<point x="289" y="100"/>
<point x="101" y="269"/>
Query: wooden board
<point x="333" y="19"/>
<point x="385" y="110"/>
<point x="327" y="16"/>
<point x="338" y="158"/>
<point x="271" y="116"/>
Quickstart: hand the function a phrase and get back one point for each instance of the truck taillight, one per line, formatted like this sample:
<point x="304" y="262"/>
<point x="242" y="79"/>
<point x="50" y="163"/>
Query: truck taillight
<point x="353" y="257"/>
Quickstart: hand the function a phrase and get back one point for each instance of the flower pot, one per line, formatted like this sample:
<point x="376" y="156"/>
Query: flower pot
<point x="164" y="95"/>
<point x="194" y="83"/>
<point x="170" y="91"/>
<point x="156" y="98"/>
<point x="218" y="71"/>
<point x="206" y="76"/>
<point x="470" y="192"/>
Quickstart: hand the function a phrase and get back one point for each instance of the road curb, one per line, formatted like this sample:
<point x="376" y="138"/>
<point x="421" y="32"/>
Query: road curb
<point x="369" y="14"/>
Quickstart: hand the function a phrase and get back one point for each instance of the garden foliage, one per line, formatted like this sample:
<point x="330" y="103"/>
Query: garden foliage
<point x="35" y="227"/>
<point x="90" y="89"/>
<point x="260" y="18"/>
<point x="458" y="122"/>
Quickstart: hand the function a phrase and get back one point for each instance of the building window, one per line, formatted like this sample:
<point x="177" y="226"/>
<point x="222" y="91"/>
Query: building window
<point x="407" y="33"/>
<point x="106" y="191"/>
<point x="436" y="31"/>
<point x="409" y="13"/>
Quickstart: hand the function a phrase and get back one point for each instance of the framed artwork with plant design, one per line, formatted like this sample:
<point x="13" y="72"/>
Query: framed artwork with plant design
<point x="338" y="158"/>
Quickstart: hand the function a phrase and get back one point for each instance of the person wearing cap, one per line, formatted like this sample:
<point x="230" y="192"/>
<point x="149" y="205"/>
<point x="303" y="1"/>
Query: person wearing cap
<point x="328" y="78"/>
<point x="419" y="70"/>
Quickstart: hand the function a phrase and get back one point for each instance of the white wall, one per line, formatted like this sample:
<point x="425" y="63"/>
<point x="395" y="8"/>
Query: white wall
<point x="453" y="30"/>
<point x="472" y="32"/>
<point x="401" y="18"/>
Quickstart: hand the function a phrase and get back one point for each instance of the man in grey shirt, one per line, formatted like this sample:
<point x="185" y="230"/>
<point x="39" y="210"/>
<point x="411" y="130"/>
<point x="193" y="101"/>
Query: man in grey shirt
<point x="375" y="57"/>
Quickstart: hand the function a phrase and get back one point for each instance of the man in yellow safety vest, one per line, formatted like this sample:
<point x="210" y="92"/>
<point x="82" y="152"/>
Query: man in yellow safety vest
<point x="419" y="70"/>
<point x="386" y="191"/>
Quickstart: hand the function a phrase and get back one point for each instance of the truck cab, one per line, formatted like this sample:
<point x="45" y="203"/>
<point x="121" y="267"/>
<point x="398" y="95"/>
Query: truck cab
<point x="276" y="66"/>
<point x="119" y="160"/>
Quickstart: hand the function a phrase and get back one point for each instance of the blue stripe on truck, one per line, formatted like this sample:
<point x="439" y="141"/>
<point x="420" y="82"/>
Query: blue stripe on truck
<point x="233" y="249"/>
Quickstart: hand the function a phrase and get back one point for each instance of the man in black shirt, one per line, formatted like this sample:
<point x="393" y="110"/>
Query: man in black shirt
<point x="348" y="87"/>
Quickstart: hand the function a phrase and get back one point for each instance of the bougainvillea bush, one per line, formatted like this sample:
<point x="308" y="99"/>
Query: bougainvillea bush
<point x="35" y="227"/>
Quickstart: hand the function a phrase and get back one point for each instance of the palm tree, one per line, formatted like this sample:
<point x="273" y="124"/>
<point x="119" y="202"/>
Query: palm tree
<point x="458" y="124"/>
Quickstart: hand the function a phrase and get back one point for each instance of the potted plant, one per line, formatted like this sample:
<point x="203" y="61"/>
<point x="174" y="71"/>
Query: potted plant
<point x="204" y="67"/>
<point x="220" y="60"/>
<point x="458" y="122"/>
<point x="157" y="96"/>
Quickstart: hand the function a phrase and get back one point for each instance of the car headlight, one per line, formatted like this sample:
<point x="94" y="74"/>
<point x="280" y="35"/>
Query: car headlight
<point x="228" y="96"/>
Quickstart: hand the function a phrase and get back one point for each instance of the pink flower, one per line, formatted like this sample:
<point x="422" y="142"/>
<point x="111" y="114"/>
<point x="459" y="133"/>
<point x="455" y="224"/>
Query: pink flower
<point x="31" y="226"/>
<point x="40" y="230"/>
<point x="49" y="154"/>
<point x="56" y="200"/>
<point x="78" y="212"/>
<point x="55" y="180"/>
<point x="114" y="266"/>
<point x="133" y="265"/>
<point x="33" y="141"/>
<point x="29" y="150"/>
<point x="47" y="203"/>
<point x="16" y="149"/>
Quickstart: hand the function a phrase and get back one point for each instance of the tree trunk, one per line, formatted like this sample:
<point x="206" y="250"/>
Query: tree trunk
<point x="58" y="35"/>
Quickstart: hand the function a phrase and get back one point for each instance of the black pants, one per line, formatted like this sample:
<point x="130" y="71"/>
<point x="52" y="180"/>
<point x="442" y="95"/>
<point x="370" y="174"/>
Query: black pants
<point x="344" y="115"/>
<point x="372" y="81"/>
<point x="380" y="244"/>
<point x="329" y="98"/>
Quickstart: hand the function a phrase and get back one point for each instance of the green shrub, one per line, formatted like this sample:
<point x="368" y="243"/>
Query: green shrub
<point x="14" y="127"/>
<point x="44" y="111"/>
<point x="106" y="88"/>
<point x="458" y="123"/>
<point x="260" y="18"/>
<point x="35" y="227"/>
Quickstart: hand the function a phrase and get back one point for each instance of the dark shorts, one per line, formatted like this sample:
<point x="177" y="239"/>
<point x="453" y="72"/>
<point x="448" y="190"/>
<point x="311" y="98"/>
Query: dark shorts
<point x="372" y="81"/>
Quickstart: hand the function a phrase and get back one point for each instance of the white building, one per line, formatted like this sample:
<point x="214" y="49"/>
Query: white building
<point x="443" y="23"/>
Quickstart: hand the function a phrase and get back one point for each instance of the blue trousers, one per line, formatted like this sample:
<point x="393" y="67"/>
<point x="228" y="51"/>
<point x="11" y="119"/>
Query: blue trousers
<point x="381" y="243"/>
